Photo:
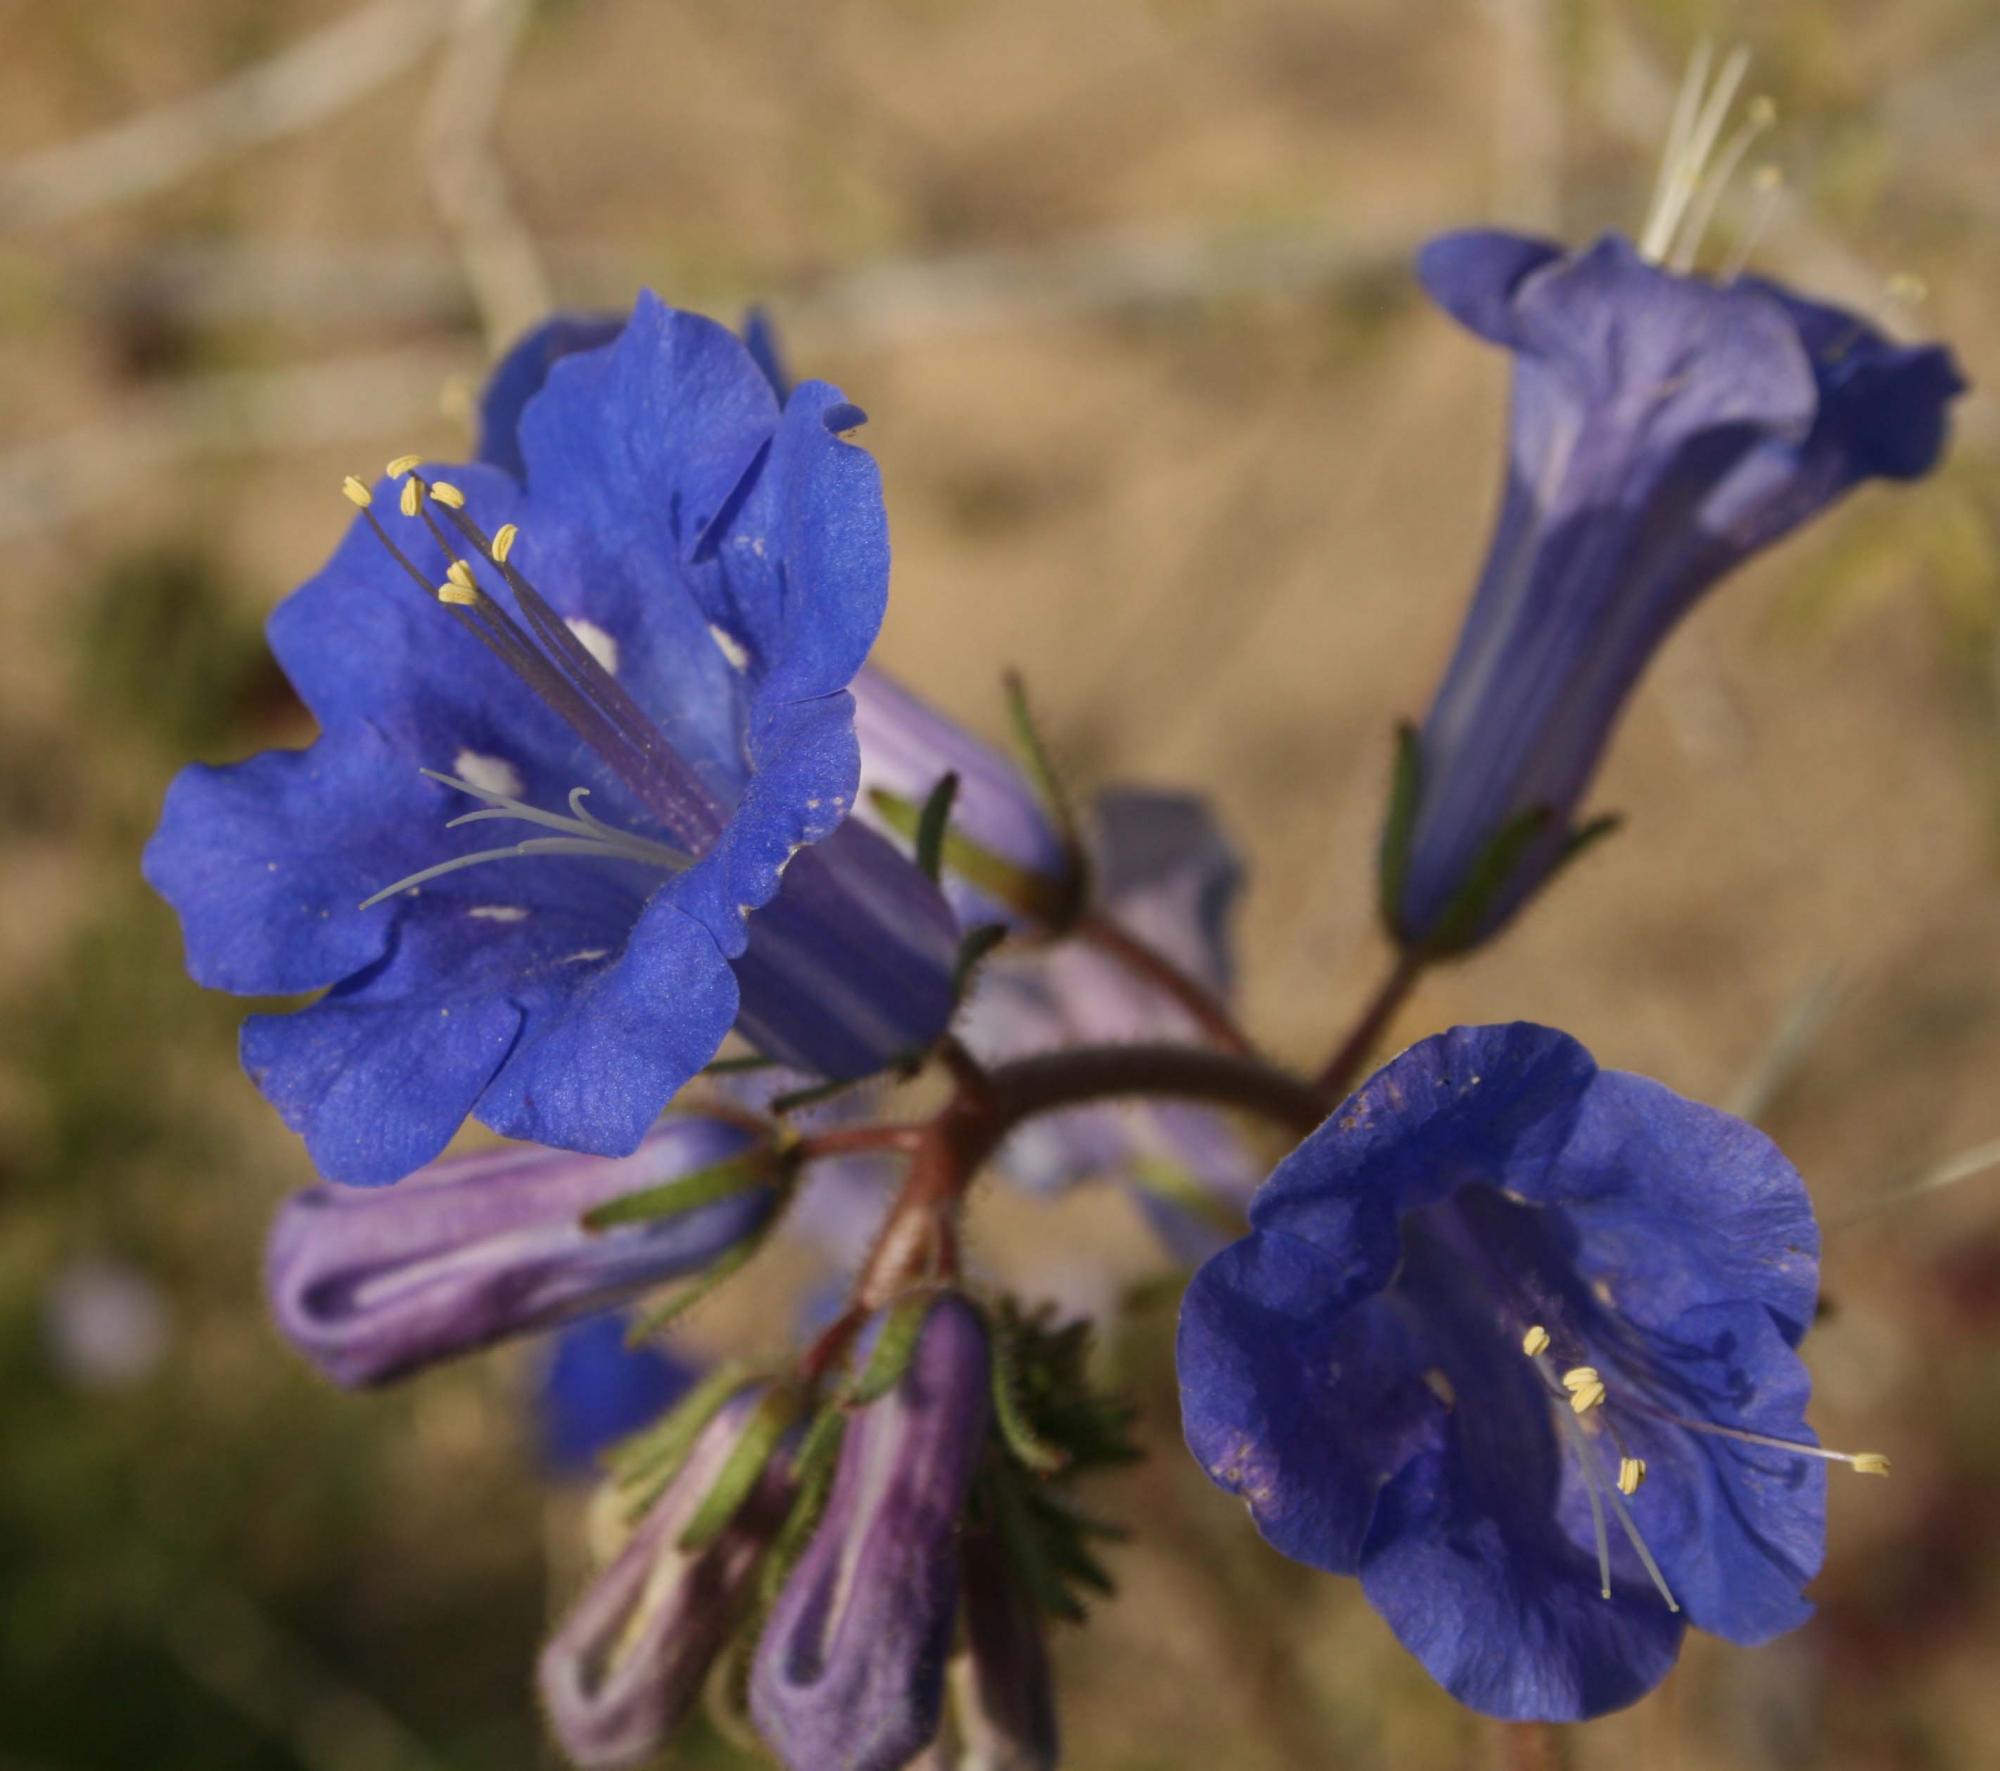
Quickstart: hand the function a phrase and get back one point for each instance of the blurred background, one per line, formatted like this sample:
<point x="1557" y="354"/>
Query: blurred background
<point x="1165" y="424"/>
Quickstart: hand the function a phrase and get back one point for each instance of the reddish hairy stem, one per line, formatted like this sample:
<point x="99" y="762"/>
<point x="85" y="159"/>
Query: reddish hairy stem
<point x="1145" y="961"/>
<point x="1343" y="1069"/>
<point x="919" y="1236"/>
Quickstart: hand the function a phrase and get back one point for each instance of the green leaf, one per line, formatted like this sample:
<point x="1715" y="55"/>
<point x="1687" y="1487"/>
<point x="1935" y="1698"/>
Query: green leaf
<point x="740" y="1473"/>
<point x="688" y="1192"/>
<point x="818" y="1460"/>
<point x="933" y="825"/>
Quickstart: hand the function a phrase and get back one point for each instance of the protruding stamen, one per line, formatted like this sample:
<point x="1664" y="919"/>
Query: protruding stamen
<point x="1535" y="1341"/>
<point x="503" y="543"/>
<point x="1689" y="151"/>
<point x="456" y="595"/>
<point x="1580" y="1377"/>
<point x="447" y="494"/>
<point x="1768" y="184"/>
<point x="1759" y="117"/>
<point x="401" y="465"/>
<point x="1866" y="1463"/>
<point x="459" y="573"/>
<point x="1631" y="1472"/>
<point x="356" y="493"/>
<point x="1585" y="1397"/>
<point x="411" y="494"/>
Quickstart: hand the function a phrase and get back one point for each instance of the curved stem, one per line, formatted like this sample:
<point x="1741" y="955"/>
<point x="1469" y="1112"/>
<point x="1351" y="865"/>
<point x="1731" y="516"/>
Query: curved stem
<point x="1344" y="1068"/>
<point x="919" y="1235"/>
<point x="1147" y="962"/>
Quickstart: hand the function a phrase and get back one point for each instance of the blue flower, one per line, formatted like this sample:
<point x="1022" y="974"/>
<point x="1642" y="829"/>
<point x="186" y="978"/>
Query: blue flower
<point x="371" y="1285"/>
<point x="598" y="1387"/>
<point x="690" y="575"/>
<point x="1511" y="1334"/>
<point x="1664" y="429"/>
<point x="850" y="1668"/>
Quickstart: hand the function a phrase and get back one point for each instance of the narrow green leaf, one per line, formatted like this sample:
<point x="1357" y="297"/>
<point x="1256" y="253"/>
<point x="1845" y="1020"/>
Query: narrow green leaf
<point x="933" y="825"/>
<point x="738" y="1066"/>
<point x="685" y="1193"/>
<point x="1025" y="1549"/>
<point x="1178" y="1185"/>
<point x="739" y="1474"/>
<point x="814" y="1094"/>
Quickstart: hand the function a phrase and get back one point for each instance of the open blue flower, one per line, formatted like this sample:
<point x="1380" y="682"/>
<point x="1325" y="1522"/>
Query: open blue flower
<point x="1665" y="428"/>
<point x="635" y="657"/>
<point x="1511" y="1340"/>
<point x="598" y="1387"/>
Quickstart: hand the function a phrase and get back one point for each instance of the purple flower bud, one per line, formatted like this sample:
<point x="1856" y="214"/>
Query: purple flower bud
<point x="850" y="968"/>
<point x="850" y="1670"/>
<point x="1003" y="1699"/>
<point x="908" y="747"/>
<point x="627" y="1663"/>
<point x="371" y="1284"/>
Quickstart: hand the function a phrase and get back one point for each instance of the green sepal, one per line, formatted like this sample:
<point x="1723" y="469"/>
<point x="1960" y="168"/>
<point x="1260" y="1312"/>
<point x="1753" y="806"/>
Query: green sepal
<point x="894" y="1344"/>
<point x="658" y="1318"/>
<point x="1042" y="897"/>
<point x="977" y="943"/>
<point x="741" y="1064"/>
<point x="1588" y="836"/>
<point x="1406" y="786"/>
<point x="1458" y="929"/>
<point x="757" y="1167"/>
<point x="1041" y="770"/>
<point x="747" y="1460"/>
<point x="1009" y="1411"/>
<point x="644" y="1464"/>
<point x="934" y="825"/>
<point x="818" y="1459"/>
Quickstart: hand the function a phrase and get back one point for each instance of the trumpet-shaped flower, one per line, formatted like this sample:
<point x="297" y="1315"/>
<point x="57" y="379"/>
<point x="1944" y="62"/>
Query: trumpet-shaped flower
<point x="1511" y="1340"/>
<point x="579" y="805"/>
<point x="1665" y="427"/>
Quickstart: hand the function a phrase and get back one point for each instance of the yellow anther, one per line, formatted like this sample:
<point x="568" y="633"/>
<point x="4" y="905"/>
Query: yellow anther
<point x="1585" y="1397"/>
<point x="1761" y="112"/>
<point x="460" y="574"/>
<point x="1870" y="1463"/>
<point x="1535" y="1342"/>
<point x="503" y="543"/>
<point x="1631" y="1472"/>
<point x="447" y="494"/>
<point x="357" y="493"/>
<point x="1580" y="1377"/>
<point x="401" y="465"/>
<point x="461" y="594"/>
<point x="410" y="497"/>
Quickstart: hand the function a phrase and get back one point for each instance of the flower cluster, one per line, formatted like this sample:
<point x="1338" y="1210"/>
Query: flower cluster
<point x="605" y="776"/>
